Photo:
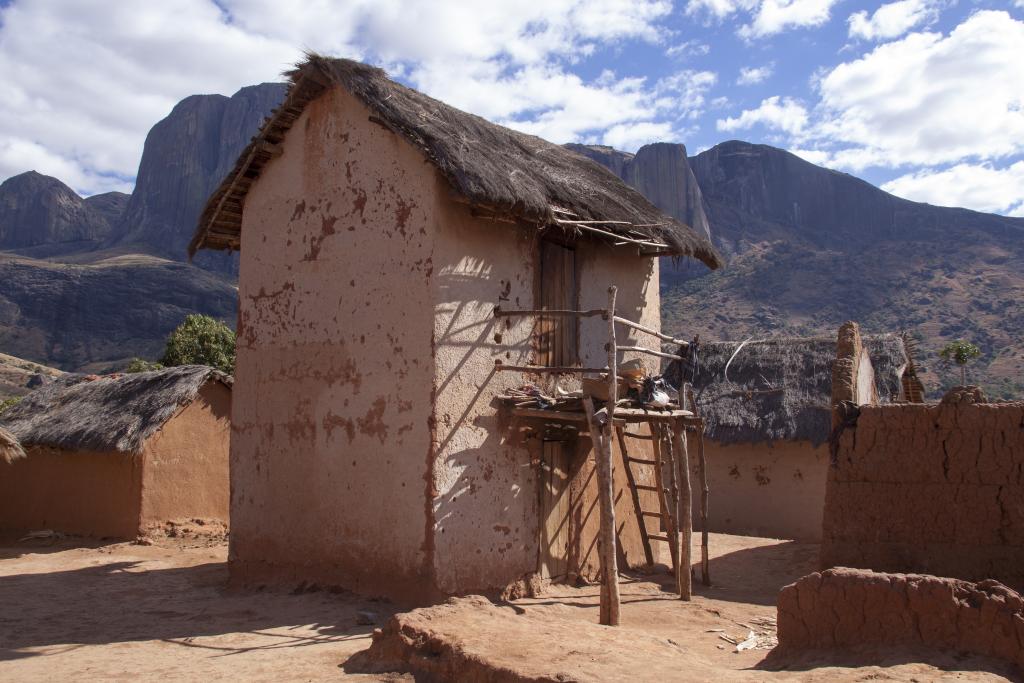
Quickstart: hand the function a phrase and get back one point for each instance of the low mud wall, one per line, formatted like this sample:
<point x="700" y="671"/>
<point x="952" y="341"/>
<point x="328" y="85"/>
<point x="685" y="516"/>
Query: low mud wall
<point x="851" y="608"/>
<point x="936" y="489"/>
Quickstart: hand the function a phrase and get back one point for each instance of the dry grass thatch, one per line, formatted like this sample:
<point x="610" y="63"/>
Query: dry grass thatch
<point x="10" y="449"/>
<point x="115" y="413"/>
<point x="507" y="173"/>
<point x="780" y="389"/>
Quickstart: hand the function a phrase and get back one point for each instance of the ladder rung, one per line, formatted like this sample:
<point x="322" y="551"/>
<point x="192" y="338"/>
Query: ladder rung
<point x="634" y="435"/>
<point x="643" y="461"/>
<point x="645" y="513"/>
<point x="645" y="487"/>
<point x="658" y="538"/>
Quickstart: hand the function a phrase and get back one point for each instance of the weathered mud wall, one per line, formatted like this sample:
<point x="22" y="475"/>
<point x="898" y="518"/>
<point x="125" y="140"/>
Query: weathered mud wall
<point x="774" y="490"/>
<point x="78" y="492"/>
<point x="185" y="465"/>
<point x="486" y="509"/>
<point x="936" y="489"/>
<point x="332" y="420"/>
<point x="849" y="608"/>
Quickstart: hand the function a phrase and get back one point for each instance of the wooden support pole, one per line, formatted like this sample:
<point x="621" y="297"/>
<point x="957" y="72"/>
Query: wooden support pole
<point x="644" y="349"/>
<point x="611" y="574"/>
<point x="705" y="570"/>
<point x="501" y="313"/>
<point x="609" y="571"/>
<point x="684" y="501"/>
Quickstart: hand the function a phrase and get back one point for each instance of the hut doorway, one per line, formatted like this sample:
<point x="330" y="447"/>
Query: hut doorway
<point x="557" y="335"/>
<point x="554" y="510"/>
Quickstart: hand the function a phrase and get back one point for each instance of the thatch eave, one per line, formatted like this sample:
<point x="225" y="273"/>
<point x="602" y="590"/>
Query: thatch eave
<point x="113" y="413"/>
<point x="488" y="166"/>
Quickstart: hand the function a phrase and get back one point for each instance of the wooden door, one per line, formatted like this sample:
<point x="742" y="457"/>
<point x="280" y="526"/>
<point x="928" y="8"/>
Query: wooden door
<point x="554" y="510"/>
<point x="557" y="342"/>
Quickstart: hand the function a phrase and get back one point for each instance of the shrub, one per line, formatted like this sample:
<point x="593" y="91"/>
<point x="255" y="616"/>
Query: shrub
<point x="201" y="340"/>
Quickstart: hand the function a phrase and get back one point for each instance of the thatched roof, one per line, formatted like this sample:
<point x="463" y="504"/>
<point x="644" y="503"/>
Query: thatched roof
<point x="10" y="449"/>
<point x="113" y="413"/>
<point x="780" y="389"/>
<point x="506" y="173"/>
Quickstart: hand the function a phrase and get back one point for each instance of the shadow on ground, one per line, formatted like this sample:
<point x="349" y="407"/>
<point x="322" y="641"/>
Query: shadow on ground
<point x="121" y="601"/>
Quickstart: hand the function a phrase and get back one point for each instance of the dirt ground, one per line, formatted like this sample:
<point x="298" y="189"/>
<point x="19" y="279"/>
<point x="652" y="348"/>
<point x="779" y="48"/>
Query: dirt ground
<point x="72" y="610"/>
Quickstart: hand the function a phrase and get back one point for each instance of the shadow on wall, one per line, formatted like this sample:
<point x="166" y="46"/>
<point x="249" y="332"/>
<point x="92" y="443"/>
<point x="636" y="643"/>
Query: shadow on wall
<point x="121" y="602"/>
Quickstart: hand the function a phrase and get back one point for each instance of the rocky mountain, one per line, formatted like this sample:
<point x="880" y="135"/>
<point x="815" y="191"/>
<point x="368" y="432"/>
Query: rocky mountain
<point x="185" y="156"/>
<point x="808" y="248"/>
<point x="100" y="315"/>
<point x="37" y="210"/>
<point x="91" y="283"/>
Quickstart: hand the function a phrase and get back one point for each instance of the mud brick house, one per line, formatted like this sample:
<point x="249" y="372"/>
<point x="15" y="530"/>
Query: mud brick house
<point x="767" y="407"/>
<point x="379" y="229"/>
<point x="116" y="456"/>
<point x="933" y="488"/>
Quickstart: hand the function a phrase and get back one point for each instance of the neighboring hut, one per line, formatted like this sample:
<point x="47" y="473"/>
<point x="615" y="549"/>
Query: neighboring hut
<point x="115" y="456"/>
<point x="10" y="449"/>
<point x="379" y="229"/>
<point x="767" y="406"/>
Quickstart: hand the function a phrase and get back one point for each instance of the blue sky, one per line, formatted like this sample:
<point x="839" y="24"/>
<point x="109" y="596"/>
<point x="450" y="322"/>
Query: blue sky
<point x="924" y="98"/>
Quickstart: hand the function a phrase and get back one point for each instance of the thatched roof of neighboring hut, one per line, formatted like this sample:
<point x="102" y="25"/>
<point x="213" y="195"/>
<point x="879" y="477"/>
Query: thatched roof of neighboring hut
<point x="780" y="389"/>
<point x="112" y="413"/>
<point x="502" y="171"/>
<point x="10" y="449"/>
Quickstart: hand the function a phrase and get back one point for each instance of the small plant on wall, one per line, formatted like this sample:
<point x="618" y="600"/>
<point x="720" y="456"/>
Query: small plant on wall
<point x="961" y="353"/>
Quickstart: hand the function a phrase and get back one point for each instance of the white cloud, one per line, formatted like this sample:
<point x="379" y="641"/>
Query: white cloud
<point x="755" y="74"/>
<point x="928" y="99"/>
<point x="775" y="16"/>
<point x="768" y="17"/>
<point x="815" y="156"/>
<point x="892" y="19"/>
<point x="975" y="186"/>
<point x="784" y="114"/>
<point x="81" y="88"/>
<point x="690" y="48"/>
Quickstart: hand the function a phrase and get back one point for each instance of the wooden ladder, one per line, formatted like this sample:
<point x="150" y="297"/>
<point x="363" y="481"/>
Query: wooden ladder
<point x="663" y="468"/>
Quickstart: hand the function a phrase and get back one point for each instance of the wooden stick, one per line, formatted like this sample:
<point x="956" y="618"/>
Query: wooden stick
<point x="557" y="369"/>
<point x="659" y="335"/>
<point x="590" y="228"/>
<point x="648" y="555"/>
<point x="609" y="571"/>
<point x="641" y="349"/>
<point x="685" y="511"/>
<point x="501" y="313"/>
<point x="607" y="489"/>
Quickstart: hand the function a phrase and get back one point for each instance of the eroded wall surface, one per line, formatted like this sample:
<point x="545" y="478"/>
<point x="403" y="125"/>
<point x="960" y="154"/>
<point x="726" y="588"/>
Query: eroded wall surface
<point x="78" y="492"/>
<point x="774" y="490"/>
<point x="937" y="489"/>
<point x="332" y="420"/>
<point x="185" y="464"/>
<point x="849" y="608"/>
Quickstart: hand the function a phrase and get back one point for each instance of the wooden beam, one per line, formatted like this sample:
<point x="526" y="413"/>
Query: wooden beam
<point x="659" y="335"/>
<point x="705" y="569"/>
<point x="554" y="369"/>
<point x="499" y="313"/>
<point x="659" y="354"/>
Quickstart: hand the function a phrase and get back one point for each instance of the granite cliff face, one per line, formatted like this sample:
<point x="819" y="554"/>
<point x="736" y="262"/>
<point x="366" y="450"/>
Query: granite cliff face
<point x="661" y="172"/>
<point x="185" y="156"/>
<point x="38" y="210"/>
<point x="90" y="283"/>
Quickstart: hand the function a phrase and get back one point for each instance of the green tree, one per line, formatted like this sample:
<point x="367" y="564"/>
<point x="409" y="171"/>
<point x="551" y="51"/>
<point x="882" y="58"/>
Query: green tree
<point x="140" y="365"/>
<point x="201" y="340"/>
<point x="961" y="353"/>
